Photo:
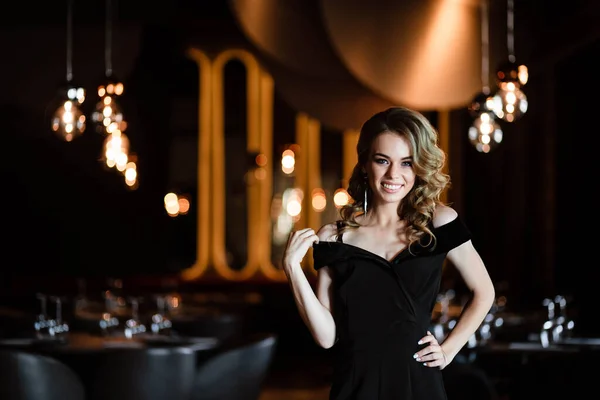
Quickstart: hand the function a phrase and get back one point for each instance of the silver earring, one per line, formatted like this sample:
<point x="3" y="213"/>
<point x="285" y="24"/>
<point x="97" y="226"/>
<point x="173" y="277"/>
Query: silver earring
<point x="365" y="202"/>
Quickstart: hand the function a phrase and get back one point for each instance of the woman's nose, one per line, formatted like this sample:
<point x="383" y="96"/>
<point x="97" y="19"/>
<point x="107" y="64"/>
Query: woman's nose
<point x="393" y="172"/>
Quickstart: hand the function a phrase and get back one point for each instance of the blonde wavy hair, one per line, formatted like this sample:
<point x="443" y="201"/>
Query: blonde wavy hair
<point x="417" y="208"/>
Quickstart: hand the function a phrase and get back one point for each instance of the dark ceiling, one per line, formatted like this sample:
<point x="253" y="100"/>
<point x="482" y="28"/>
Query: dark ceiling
<point x="543" y="28"/>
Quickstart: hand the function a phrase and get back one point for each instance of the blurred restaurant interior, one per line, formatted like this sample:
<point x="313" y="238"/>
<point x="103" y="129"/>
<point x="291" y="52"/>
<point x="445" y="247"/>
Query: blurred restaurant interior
<point x="157" y="156"/>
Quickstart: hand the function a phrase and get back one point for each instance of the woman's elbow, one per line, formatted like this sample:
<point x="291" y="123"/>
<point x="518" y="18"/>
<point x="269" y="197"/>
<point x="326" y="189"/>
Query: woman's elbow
<point x="487" y="294"/>
<point x="326" y="344"/>
<point x="325" y="341"/>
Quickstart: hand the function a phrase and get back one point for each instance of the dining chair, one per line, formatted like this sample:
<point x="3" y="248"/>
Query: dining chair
<point x="29" y="376"/>
<point x="237" y="370"/>
<point x="151" y="373"/>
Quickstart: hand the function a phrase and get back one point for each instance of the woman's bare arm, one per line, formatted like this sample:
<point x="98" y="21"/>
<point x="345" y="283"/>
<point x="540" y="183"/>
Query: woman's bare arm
<point x="469" y="264"/>
<point x="315" y="309"/>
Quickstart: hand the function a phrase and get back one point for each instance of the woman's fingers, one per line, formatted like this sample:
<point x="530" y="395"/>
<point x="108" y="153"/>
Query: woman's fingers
<point x="431" y="355"/>
<point x="298" y="234"/>
<point x="305" y="234"/>
<point x="298" y="244"/>
<point x="429" y="338"/>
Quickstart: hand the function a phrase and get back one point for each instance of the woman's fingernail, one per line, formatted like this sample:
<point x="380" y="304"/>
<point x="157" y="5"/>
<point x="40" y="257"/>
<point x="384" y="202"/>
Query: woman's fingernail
<point x="415" y="356"/>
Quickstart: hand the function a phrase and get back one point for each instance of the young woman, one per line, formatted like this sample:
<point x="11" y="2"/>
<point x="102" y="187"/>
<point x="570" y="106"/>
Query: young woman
<point x="380" y="267"/>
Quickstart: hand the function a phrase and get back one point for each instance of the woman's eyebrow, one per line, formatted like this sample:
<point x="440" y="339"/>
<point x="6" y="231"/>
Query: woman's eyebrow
<point x="407" y="158"/>
<point x="381" y="155"/>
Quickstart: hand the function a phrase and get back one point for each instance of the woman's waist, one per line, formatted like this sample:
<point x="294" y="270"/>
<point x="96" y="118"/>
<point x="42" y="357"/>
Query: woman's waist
<point x="396" y="336"/>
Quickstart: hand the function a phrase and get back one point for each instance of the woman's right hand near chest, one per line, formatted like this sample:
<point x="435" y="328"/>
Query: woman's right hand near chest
<point x="297" y="246"/>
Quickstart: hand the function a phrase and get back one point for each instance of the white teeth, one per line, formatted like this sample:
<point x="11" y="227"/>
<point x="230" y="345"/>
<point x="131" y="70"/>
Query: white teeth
<point x="391" y="187"/>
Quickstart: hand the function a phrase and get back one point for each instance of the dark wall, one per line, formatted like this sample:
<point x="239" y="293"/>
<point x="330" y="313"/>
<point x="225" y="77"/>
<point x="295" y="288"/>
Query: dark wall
<point x="529" y="203"/>
<point x="578" y="141"/>
<point x="64" y="213"/>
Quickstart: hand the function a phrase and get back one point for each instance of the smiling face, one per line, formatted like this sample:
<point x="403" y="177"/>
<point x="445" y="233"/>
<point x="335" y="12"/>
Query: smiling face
<point x="390" y="168"/>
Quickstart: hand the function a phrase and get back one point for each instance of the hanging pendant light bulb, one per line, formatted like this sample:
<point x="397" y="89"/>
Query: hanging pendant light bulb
<point x="485" y="133"/>
<point x="68" y="121"/>
<point x="510" y="103"/>
<point x="483" y="101"/>
<point x="108" y="114"/>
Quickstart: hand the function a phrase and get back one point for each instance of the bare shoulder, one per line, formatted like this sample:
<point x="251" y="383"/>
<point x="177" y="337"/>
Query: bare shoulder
<point x="327" y="233"/>
<point x="443" y="214"/>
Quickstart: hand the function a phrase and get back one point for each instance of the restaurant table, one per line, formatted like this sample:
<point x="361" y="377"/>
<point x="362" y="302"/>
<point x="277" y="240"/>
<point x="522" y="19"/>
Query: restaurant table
<point x="527" y="370"/>
<point x="76" y="342"/>
<point x="195" y="321"/>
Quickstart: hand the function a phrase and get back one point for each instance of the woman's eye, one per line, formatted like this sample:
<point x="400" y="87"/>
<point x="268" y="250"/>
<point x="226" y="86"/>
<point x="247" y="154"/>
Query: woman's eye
<point x="380" y="160"/>
<point x="407" y="163"/>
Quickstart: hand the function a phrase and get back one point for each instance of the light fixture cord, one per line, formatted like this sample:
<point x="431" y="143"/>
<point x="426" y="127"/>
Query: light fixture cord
<point x="108" y="39"/>
<point x="485" y="47"/>
<point x="510" y="29"/>
<point x="69" y="40"/>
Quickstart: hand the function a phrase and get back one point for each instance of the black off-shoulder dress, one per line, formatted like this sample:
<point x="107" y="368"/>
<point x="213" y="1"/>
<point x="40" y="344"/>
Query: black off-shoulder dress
<point x="381" y="309"/>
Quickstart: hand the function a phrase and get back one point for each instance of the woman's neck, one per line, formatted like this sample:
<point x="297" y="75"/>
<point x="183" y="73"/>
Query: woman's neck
<point x="382" y="216"/>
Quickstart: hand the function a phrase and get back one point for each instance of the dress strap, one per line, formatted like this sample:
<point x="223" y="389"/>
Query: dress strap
<point x="340" y="225"/>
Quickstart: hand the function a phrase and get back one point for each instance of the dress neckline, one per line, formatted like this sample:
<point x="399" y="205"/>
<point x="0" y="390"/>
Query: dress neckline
<point x="367" y="252"/>
<point x="339" y="241"/>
